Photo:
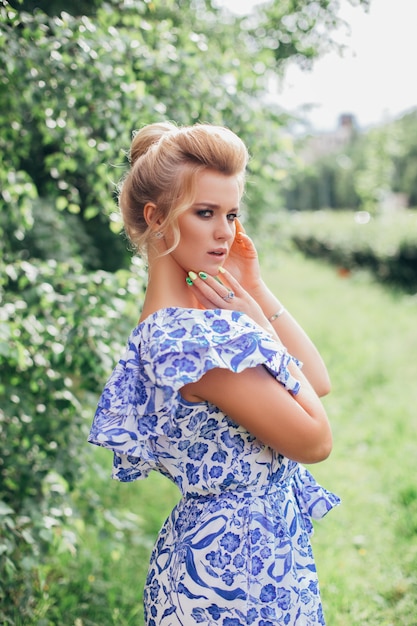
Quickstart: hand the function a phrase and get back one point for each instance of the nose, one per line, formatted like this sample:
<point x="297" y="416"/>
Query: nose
<point x="225" y="230"/>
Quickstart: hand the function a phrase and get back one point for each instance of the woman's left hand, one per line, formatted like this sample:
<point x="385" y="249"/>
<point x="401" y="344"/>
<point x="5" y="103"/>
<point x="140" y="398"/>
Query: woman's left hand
<point x="225" y="292"/>
<point x="243" y="262"/>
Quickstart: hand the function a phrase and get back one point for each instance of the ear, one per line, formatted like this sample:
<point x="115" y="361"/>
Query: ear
<point x="151" y="215"/>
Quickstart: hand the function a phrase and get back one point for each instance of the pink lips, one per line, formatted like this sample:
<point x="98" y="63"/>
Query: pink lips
<point x="219" y="252"/>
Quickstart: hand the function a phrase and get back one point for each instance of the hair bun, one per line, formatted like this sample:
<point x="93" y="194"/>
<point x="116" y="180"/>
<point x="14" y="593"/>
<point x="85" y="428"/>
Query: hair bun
<point x="145" y="137"/>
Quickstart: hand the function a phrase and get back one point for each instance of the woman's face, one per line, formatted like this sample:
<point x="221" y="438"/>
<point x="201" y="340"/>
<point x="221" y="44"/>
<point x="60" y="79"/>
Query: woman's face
<point x="207" y="228"/>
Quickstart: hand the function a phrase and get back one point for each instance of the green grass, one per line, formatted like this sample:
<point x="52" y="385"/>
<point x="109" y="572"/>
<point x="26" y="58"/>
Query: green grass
<point x="366" y="550"/>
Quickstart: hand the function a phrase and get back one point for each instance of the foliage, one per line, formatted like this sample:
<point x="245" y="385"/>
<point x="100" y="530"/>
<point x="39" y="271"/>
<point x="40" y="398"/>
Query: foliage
<point x="59" y="331"/>
<point x="384" y="244"/>
<point x="298" y="30"/>
<point x="371" y="171"/>
<point x="73" y="87"/>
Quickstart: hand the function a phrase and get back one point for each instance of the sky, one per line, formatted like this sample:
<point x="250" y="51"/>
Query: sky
<point x="375" y="79"/>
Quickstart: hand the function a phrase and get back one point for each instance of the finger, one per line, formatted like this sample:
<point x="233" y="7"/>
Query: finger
<point x="209" y="290"/>
<point x="231" y="280"/>
<point x="243" y="245"/>
<point x="239" y="227"/>
<point x="212" y="288"/>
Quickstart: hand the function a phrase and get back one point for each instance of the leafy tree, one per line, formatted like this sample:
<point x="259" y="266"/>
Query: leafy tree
<point x="73" y="87"/>
<point x="405" y="157"/>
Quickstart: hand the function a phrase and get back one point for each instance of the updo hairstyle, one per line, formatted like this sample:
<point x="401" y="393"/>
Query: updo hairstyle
<point x="165" y="161"/>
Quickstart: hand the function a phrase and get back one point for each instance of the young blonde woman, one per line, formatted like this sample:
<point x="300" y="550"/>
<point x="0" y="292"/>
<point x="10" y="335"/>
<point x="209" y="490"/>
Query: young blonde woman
<point x="219" y="390"/>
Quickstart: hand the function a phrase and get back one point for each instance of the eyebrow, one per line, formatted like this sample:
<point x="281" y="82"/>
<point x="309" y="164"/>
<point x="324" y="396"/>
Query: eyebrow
<point x="211" y="205"/>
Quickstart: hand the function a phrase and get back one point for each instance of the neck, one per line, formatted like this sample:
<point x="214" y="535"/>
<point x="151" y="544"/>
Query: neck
<point x="167" y="287"/>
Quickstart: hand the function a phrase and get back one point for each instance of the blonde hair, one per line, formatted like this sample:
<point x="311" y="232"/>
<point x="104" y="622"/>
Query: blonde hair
<point x="165" y="161"/>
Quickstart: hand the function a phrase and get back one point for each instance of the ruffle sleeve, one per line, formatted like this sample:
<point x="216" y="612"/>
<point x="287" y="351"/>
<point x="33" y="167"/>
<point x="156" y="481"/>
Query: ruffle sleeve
<point x="169" y="349"/>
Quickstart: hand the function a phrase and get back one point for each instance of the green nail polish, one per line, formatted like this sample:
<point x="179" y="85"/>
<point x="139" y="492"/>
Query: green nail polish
<point x="202" y="275"/>
<point x="188" y="281"/>
<point x="192" y="275"/>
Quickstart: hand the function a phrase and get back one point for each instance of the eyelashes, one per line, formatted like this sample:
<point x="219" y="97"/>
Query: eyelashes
<point x="208" y="213"/>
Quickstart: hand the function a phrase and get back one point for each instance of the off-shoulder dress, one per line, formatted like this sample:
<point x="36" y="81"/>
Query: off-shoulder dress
<point x="235" y="551"/>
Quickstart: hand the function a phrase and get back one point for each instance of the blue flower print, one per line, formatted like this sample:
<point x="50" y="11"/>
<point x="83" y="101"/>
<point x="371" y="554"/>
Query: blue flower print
<point x="251" y="616"/>
<point x="257" y="565"/>
<point x="218" y="559"/>
<point x="314" y="587"/>
<point x="219" y="456"/>
<point x="303" y="541"/>
<point x="185" y="365"/>
<point x="265" y="552"/>
<point x="171" y="430"/>
<point x="216" y="471"/>
<point x="268" y="593"/>
<point x="229" y="480"/>
<point x="221" y="326"/>
<point x="214" y="611"/>
<point x="238" y="561"/>
<point x="154" y="589"/>
<point x="170" y="372"/>
<point x="320" y="615"/>
<point x="246" y="468"/>
<point x="196" y="420"/>
<point x="147" y="424"/>
<point x="198" y="615"/>
<point x="232" y="621"/>
<point x="268" y="613"/>
<point x="284" y="598"/>
<point x="166" y="345"/>
<point x="230" y="542"/>
<point x="228" y="578"/>
<point x="235" y="442"/>
<point x="178" y="333"/>
<point x="192" y="474"/>
<point x="255" y="535"/>
<point x="197" y="451"/>
<point x="305" y="596"/>
<point x="209" y="430"/>
<point x="141" y="393"/>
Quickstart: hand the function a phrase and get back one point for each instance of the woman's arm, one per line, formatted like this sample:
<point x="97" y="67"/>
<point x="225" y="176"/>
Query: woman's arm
<point x="294" y="338"/>
<point x="243" y="264"/>
<point x="296" y="426"/>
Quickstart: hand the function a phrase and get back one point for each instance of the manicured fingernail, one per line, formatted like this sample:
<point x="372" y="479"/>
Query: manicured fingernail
<point x="192" y="275"/>
<point x="188" y="281"/>
<point x="221" y="270"/>
<point x="202" y="275"/>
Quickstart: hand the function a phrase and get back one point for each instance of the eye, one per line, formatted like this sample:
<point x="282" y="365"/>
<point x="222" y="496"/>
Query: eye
<point x="205" y="213"/>
<point x="232" y="216"/>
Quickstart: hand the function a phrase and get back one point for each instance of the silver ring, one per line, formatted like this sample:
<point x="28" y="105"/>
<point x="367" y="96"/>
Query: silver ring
<point x="229" y="296"/>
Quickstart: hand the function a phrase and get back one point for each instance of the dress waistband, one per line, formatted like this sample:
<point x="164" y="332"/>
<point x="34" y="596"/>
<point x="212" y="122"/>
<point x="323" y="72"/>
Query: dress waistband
<point x="245" y="491"/>
<point x="313" y="500"/>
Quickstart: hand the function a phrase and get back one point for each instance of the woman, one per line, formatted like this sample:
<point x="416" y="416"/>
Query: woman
<point x="208" y="394"/>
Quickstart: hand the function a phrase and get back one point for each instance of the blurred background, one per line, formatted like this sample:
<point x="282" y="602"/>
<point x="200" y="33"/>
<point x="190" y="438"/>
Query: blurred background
<point x="323" y="94"/>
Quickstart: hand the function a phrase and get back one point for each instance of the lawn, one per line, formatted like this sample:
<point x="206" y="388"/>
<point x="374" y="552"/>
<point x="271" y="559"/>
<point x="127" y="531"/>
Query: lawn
<point x="366" y="550"/>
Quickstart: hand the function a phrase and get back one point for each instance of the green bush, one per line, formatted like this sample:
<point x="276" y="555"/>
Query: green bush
<point x="384" y="244"/>
<point x="60" y="330"/>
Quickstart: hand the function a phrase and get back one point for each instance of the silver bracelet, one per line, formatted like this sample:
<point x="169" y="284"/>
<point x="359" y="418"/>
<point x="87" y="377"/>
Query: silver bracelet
<point x="277" y="314"/>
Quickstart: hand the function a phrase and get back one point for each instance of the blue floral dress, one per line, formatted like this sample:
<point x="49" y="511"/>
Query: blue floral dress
<point x="235" y="551"/>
